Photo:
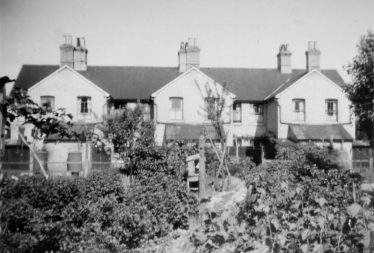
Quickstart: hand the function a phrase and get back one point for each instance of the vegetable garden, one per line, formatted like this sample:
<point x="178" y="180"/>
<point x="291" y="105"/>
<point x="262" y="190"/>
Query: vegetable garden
<point x="300" y="202"/>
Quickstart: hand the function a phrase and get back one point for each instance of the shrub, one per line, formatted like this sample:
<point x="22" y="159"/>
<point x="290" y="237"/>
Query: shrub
<point x="300" y="208"/>
<point x="92" y="214"/>
<point x="310" y="154"/>
<point x="241" y="168"/>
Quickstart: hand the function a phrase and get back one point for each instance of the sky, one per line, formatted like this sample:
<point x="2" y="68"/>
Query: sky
<point x="236" y="33"/>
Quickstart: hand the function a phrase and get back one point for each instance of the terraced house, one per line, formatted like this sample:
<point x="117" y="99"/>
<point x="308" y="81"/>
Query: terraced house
<point x="298" y="105"/>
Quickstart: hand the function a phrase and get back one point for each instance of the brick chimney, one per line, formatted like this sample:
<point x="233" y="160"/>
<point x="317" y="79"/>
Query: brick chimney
<point x="188" y="55"/>
<point x="80" y="55"/>
<point x="312" y="56"/>
<point x="67" y="52"/>
<point x="74" y="56"/>
<point x="284" y="59"/>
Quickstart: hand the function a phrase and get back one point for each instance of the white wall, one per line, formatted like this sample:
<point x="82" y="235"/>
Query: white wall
<point x="248" y="128"/>
<point x="66" y="86"/>
<point x="58" y="155"/>
<point x="315" y="89"/>
<point x="186" y="86"/>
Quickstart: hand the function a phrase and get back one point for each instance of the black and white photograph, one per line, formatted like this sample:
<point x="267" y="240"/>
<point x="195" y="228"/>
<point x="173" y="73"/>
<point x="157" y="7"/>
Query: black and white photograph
<point x="172" y="126"/>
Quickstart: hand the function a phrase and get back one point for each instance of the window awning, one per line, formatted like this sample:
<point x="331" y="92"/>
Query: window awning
<point x="318" y="132"/>
<point x="188" y="131"/>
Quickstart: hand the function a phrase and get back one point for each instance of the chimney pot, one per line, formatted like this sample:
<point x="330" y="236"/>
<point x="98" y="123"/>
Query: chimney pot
<point x="190" y="42"/>
<point x="284" y="59"/>
<point x="312" y="56"/>
<point x="310" y="45"/>
<point x="188" y="55"/>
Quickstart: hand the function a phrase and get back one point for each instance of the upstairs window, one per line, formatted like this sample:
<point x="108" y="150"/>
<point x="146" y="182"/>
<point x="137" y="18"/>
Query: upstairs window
<point x="237" y="112"/>
<point x="211" y="105"/>
<point x="47" y="103"/>
<point x="146" y="109"/>
<point x="84" y="105"/>
<point x="256" y="113"/>
<point x="176" y="108"/>
<point x="331" y="109"/>
<point x="298" y="109"/>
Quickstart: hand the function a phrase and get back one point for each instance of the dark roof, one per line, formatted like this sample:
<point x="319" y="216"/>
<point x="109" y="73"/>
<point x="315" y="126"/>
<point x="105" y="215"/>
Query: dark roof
<point x="318" y="132"/>
<point x="257" y="84"/>
<point x="141" y="82"/>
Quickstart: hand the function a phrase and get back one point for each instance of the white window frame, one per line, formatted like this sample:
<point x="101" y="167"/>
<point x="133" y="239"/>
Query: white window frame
<point x="146" y="109"/>
<point x="176" y="114"/>
<point x="331" y="113"/>
<point x="52" y="102"/>
<point x="237" y="113"/>
<point x="298" y="113"/>
<point x="256" y="113"/>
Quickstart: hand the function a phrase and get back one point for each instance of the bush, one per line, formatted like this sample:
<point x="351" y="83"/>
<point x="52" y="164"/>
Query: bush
<point x="301" y="208"/>
<point x="170" y="160"/>
<point x="92" y="214"/>
<point x="241" y="168"/>
<point x="309" y="154"/>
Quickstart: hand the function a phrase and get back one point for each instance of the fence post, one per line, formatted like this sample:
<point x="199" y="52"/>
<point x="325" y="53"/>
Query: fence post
<point x="202" y="176"/>
<point x="31" y="161"/>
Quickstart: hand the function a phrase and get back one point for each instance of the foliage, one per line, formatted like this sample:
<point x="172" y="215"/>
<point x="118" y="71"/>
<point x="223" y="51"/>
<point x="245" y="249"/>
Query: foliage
<point x="130" y="134"/>
<point x="323" y="157"/>
<point x="93" y="214"/>
<point x="303" y="209"/>
<point x="215" y="106"/>
<point x="294" y="206"/>
<point x="361" y="89"/>
<point x="167" y="160"/>
<point x="19" y="105"/>
<point x="240" y="168"/>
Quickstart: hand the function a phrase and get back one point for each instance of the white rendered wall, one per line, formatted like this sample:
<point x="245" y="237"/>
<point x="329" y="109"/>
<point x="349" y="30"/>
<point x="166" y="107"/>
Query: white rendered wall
<point x="66" y="87"/>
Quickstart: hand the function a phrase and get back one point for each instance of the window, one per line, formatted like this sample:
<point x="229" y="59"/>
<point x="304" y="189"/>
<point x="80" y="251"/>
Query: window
<point x="237" y="113"/>
<point x="256" y="113"/>
<point x="210" y="108"/>
<point x="176" y="108"/>
<point x="47" y="103"/>
<point x="298" y="109"/>
<point x="84" y="104"/>
<point x="146" y="109"/>
<point x="331" y="109"/>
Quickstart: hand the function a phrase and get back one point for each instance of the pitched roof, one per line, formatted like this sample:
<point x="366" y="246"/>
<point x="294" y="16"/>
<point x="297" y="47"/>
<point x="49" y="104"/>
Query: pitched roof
<point x="119" y="82"/>
<point x="141" y="82"/>
<point x="318" y="132"/>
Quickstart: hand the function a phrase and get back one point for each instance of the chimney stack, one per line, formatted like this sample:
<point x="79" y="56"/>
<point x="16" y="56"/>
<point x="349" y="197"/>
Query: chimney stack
<point x="188" y="55"/>
<point x="80" y="55"/>
<point x="67" y="52"/>
<point x="312" y="56"/>
<point x="74" y="56"/>
<point x="284" y="59"/>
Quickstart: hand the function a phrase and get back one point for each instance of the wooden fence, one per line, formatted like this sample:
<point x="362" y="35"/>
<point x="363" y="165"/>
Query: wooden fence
<point x="55" y="169"/>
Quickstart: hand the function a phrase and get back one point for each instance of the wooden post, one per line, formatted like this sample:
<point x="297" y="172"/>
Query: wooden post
<point x="2" y="132"/>
<point x="31" y="160"/>
<point x="202" y="176"/>
<point x="236" y="149"/>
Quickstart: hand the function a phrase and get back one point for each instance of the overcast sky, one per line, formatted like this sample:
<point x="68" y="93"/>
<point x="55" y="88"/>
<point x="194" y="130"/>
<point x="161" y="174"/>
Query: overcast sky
<point x="237" y="33"/>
